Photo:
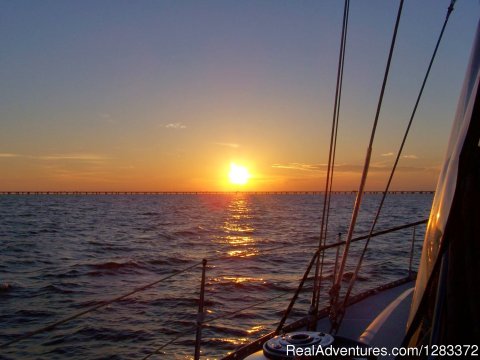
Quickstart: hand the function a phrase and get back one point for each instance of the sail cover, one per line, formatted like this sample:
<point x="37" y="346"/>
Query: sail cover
<point x="448" y="279"/>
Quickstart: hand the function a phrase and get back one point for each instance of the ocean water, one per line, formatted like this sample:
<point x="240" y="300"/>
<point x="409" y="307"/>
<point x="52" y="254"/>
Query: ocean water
<point x="63" y="254"/>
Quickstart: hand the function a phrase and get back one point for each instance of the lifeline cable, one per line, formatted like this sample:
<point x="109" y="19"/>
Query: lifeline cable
<point x="336" y="288"/>
<point x="374" y="223"/>
<point x="96" y="307"/>
<point x="319" y="264"/>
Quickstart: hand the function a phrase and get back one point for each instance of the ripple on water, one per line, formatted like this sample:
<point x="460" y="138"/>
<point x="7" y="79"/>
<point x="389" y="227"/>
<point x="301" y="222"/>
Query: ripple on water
<point x="63" y="254"/>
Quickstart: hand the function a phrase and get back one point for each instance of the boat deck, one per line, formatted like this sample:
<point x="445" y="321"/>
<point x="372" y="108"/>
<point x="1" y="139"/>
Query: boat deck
<point x="376" y="320"/>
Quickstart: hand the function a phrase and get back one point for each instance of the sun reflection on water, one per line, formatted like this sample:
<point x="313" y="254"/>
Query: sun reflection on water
<point x="255" y="329"/>
<point x="243" y="253"/>
<point x="237" y="229"/>
<point x="241" y="279"/>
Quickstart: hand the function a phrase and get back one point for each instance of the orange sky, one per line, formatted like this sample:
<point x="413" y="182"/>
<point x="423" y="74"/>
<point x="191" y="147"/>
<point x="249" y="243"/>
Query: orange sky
<point x="163" y="96"/>
<point x="88" y="172"/>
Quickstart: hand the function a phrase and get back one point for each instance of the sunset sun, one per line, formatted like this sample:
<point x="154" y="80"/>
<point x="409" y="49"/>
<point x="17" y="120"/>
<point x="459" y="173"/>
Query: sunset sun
<point x="238" y="174"/>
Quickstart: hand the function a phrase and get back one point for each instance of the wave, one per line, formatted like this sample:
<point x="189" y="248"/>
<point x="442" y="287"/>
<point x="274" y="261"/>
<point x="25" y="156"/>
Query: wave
<point x="109" y="265"/>
<point x="57" y="263"/>
<point x="150" y="213"/>
<point x="226" y="330"/>
<point x="5" y="288"/>
<point x="168" y="261"/>
<point x="34" y="313"/>
<point x="100" y="333"/>
<point x="51" y="288"/>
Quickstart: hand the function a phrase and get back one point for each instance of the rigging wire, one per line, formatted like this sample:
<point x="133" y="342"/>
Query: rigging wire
<point x="96" y="307"/>
<point x="384" y="195"/>
<point x="320" y="262"/>
<point x="336" y="287"/>
<point x="333" y="154"/>
<point x="331" y="245"/>
<point x="104" y="303"/>
<point x="261" y="302"/>
<point x="208" y="321"/>
<point x="160" y="348"/>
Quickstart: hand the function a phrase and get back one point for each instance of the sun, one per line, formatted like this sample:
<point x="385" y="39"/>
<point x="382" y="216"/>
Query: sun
<point x="238" y="174"/>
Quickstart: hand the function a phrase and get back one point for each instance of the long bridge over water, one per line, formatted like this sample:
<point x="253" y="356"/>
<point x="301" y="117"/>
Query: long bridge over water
<point x="397" y="192"/>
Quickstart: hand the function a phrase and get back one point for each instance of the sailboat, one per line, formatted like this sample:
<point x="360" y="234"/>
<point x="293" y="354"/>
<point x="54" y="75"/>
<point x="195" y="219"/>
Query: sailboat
<point x="435" y="313"/>
<point x="432" y="313"/>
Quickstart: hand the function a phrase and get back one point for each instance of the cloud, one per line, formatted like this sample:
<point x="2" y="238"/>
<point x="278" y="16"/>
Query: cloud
<point x="300" y="166"/>
<point x="73" y="156"/>
<point x="231" y="145"/>
<point x="404" y="156"/>
<point x="86" y="174"/>
<point x="434" y="168"/>
<point x="107" y="118"/>
<point x="9" y="155"/>
<point x="86" y="157"/>
<point x="177" y="125"/>
<point x="344" y="168"/>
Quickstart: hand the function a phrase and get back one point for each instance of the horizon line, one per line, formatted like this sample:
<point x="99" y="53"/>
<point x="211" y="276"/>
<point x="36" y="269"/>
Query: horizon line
<point x="274" y="192"/>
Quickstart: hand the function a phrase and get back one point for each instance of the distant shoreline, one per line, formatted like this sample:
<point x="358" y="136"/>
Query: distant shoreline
<point x="399" y="192"/>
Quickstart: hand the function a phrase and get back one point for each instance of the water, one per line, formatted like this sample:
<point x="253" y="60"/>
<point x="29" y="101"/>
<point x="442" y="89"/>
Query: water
<point x="62" y="254"/>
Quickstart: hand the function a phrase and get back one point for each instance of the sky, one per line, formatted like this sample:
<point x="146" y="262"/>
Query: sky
<point x="164" y="95"/>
